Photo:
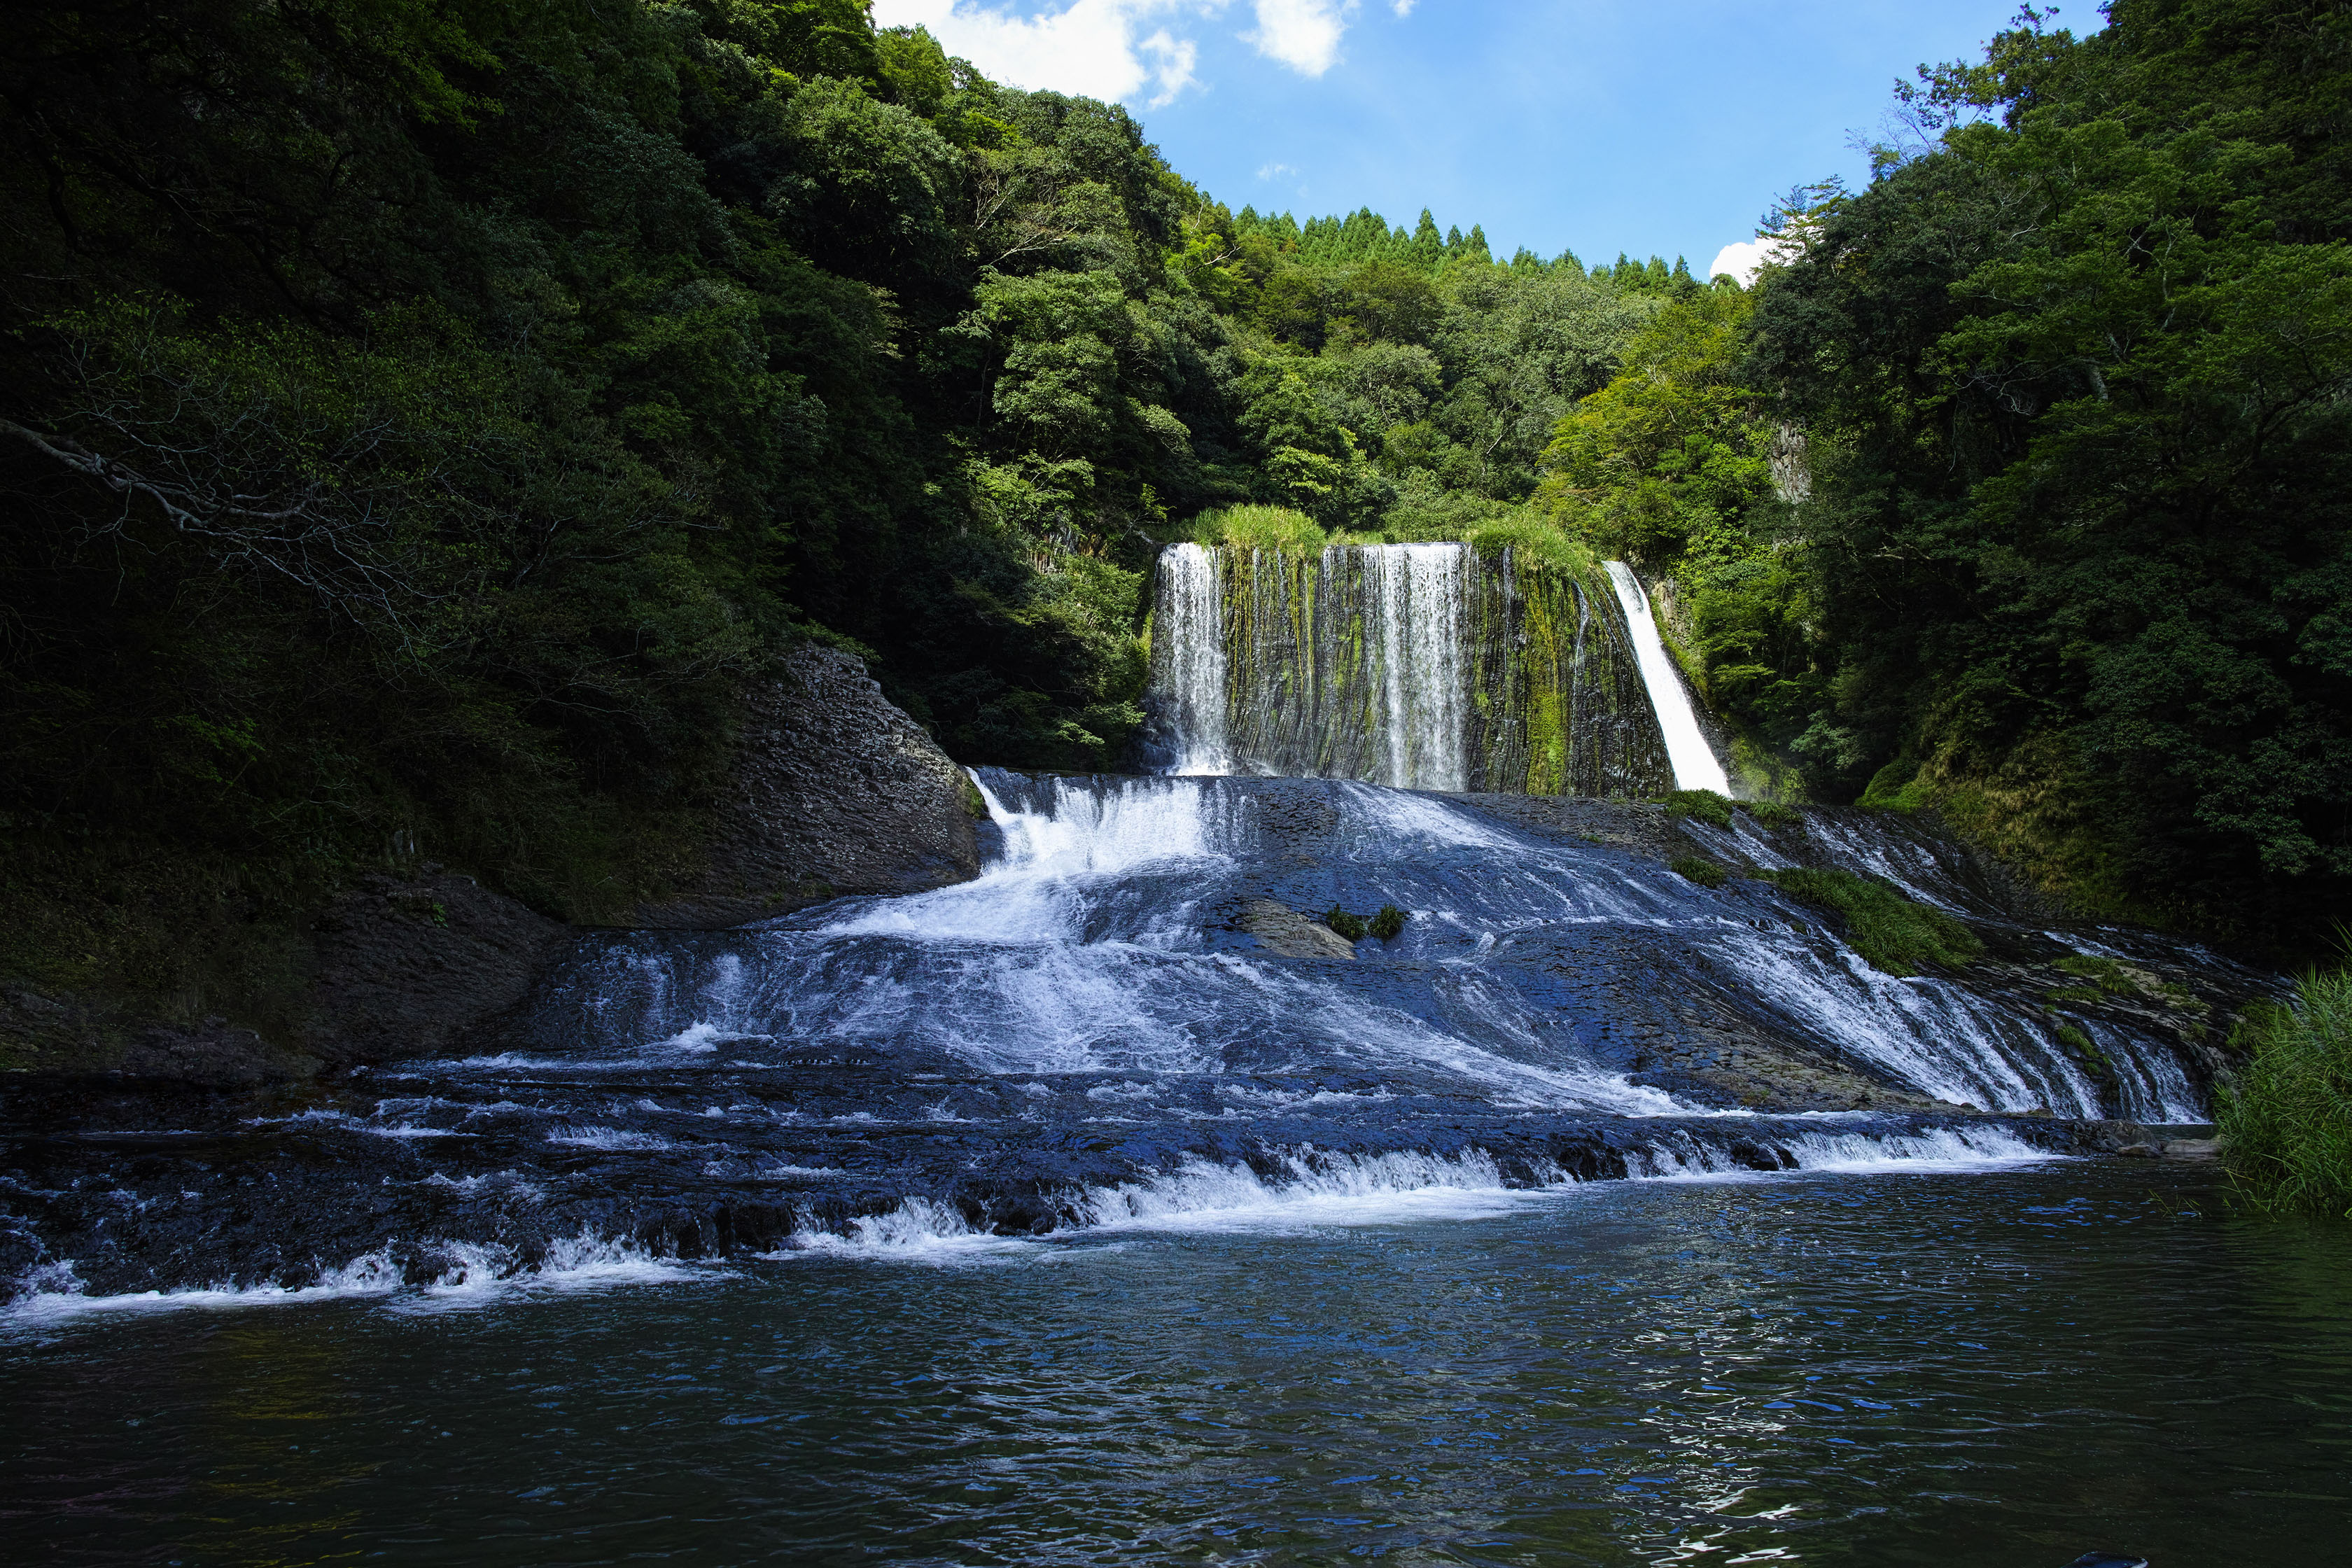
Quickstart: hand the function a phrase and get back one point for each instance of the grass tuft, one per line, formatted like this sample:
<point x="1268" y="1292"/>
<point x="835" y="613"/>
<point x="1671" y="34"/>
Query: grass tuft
<point x="1270" y="527"/>
<point x="1706" y="873"/>
<point x="1389" y="923"/>
<point x="1893" y="933"/>
<point x="2286" y="1118"/>
<point x="1347" y="925"/>
<point x="1709" y="807"/>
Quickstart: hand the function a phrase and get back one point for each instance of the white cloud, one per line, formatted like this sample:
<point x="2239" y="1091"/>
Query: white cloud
<point x="1274" y="171"/>
<point x="1302" y="34"/>
<point x="1742" y="260"/>
<point x="1095" y="47"/>
<point x="1403" y="8"/>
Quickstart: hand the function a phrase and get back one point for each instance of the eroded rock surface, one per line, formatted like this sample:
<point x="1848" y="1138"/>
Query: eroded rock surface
<point x="1287" y="933"/>
<point x="407" y="965"/>
<point x="833" y="791"/>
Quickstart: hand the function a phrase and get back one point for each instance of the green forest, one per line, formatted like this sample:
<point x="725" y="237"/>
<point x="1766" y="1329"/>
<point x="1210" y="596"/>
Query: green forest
<point x="419" y="417"/>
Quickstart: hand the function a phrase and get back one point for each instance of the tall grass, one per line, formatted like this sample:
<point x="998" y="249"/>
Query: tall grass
<point x="2286" y="1119"/>
<point x="1274" y="528"/>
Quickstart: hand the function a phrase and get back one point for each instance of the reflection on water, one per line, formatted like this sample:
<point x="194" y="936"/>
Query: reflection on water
<point x="2005" y="1368"/>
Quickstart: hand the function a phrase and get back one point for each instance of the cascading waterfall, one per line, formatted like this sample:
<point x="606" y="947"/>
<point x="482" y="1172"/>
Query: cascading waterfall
<point x="1694" y="763"/>
<point x="1417" y="666"/>
<point x="1113" y="1007"/>
<point x="1189" y="620"/>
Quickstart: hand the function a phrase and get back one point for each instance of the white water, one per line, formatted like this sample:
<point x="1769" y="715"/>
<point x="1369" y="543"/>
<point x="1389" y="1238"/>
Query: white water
<point x="1420" y="593"/>
<point x="1414" y="609"/>
<point x="1191" y="619"/>
<point x="1316" y="1190"/>
<point x="1694" y="763"/>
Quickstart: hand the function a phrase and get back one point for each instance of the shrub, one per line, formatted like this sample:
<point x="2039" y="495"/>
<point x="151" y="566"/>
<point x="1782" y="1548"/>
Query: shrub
<point x="1388" y="923"/>
<point x="2286" y="1118"/>
<point x="1892" y="933"/>
<point x="1706" y="873"/>
<point x="1347" y="925"/>
<point x="1772" y="814"/>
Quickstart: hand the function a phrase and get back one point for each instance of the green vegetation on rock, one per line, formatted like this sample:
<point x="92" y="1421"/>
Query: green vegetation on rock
<point x="2285" y="1114"/>
<point x="1350" y="926"/>
<point x="1388" y="924"/>
<point x="1892" y="933"/>
<point x="1706" y="873"/>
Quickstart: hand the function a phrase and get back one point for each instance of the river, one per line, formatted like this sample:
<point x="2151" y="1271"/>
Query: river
<point x="2004" y="1364"/>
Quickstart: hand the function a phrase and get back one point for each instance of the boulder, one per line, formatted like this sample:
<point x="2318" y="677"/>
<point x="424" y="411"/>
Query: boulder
<point x="833" y="791"/>
<point x="1287" y="933"/>
<point x="408" y="965"/>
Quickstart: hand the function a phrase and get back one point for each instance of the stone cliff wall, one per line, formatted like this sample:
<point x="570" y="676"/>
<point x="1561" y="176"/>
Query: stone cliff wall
<point x="833" y="791"/>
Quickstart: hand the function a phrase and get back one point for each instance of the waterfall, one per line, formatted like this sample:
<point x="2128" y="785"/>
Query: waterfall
<point x="1694" y="763"/>
<point x="1417" y="666"/>
<point x="1189" y="619"/>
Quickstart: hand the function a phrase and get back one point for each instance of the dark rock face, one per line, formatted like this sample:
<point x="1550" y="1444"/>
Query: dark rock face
<point x="406" y="966"/>
<point x="834" y="791"/>
<point x="71" y="1037"/>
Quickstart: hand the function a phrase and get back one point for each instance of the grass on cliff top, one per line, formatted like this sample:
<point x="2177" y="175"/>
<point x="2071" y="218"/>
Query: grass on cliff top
<point x="1531" y="538"/>
<point x="1272" y="527"/>
<point x="1893" y="933"/>
<point x="2286" y="1117"/>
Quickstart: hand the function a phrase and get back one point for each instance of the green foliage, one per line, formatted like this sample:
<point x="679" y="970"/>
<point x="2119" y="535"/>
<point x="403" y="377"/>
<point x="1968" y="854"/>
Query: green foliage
<point x="1532" y="538"/>
<point x="2285" y="1114"/>
<point x="2085" y="1050"/>
<point x="2072" y="385"/>
<point x="1388" y="924"/>
<point x="1897" y="787"/>
<point x="1706" y="873"/>
<point x="1704" y="804"/>
<point x="1892" y="933"/>
<point x="1350" y="926"/>
<point x="1269" y="528"/>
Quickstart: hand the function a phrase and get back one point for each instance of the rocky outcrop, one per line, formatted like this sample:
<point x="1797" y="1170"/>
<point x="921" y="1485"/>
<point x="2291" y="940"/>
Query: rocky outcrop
<point x="833" y="791"/>
<point x="407" y="966"/>
<point x="1287" y="933"/>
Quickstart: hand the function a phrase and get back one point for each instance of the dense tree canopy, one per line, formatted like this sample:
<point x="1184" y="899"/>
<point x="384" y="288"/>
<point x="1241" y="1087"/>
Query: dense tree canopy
<point x="2060" y="404"/>
<point x="419" y="415"/>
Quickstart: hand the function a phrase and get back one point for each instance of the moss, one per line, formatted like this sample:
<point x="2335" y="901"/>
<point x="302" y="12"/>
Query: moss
<point x="2286" y="1117"/>
<point x="1704" y="804"/>
<point x="1772" y="813"/>
<point x="2085" y="1050"/>
<point x="1897" y="787"/>
<point x="2076" y="993"/>
<point x="2105" y="973"/>
<point x="1893" y="933"/>
<point x="975" y="805"/>
<point x="1706" y="873"/>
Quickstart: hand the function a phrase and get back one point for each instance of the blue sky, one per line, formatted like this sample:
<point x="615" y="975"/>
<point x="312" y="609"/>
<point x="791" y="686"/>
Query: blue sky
<point x="1646" y="126"/>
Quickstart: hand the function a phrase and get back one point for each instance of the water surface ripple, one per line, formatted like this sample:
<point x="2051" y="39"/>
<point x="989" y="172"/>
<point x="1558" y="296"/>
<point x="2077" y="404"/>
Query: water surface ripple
<point x="1904" y="1366"/>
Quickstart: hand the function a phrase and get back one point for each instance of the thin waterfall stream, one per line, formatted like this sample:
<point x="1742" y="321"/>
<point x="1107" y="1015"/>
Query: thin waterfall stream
<point x="1694" y="763"/>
